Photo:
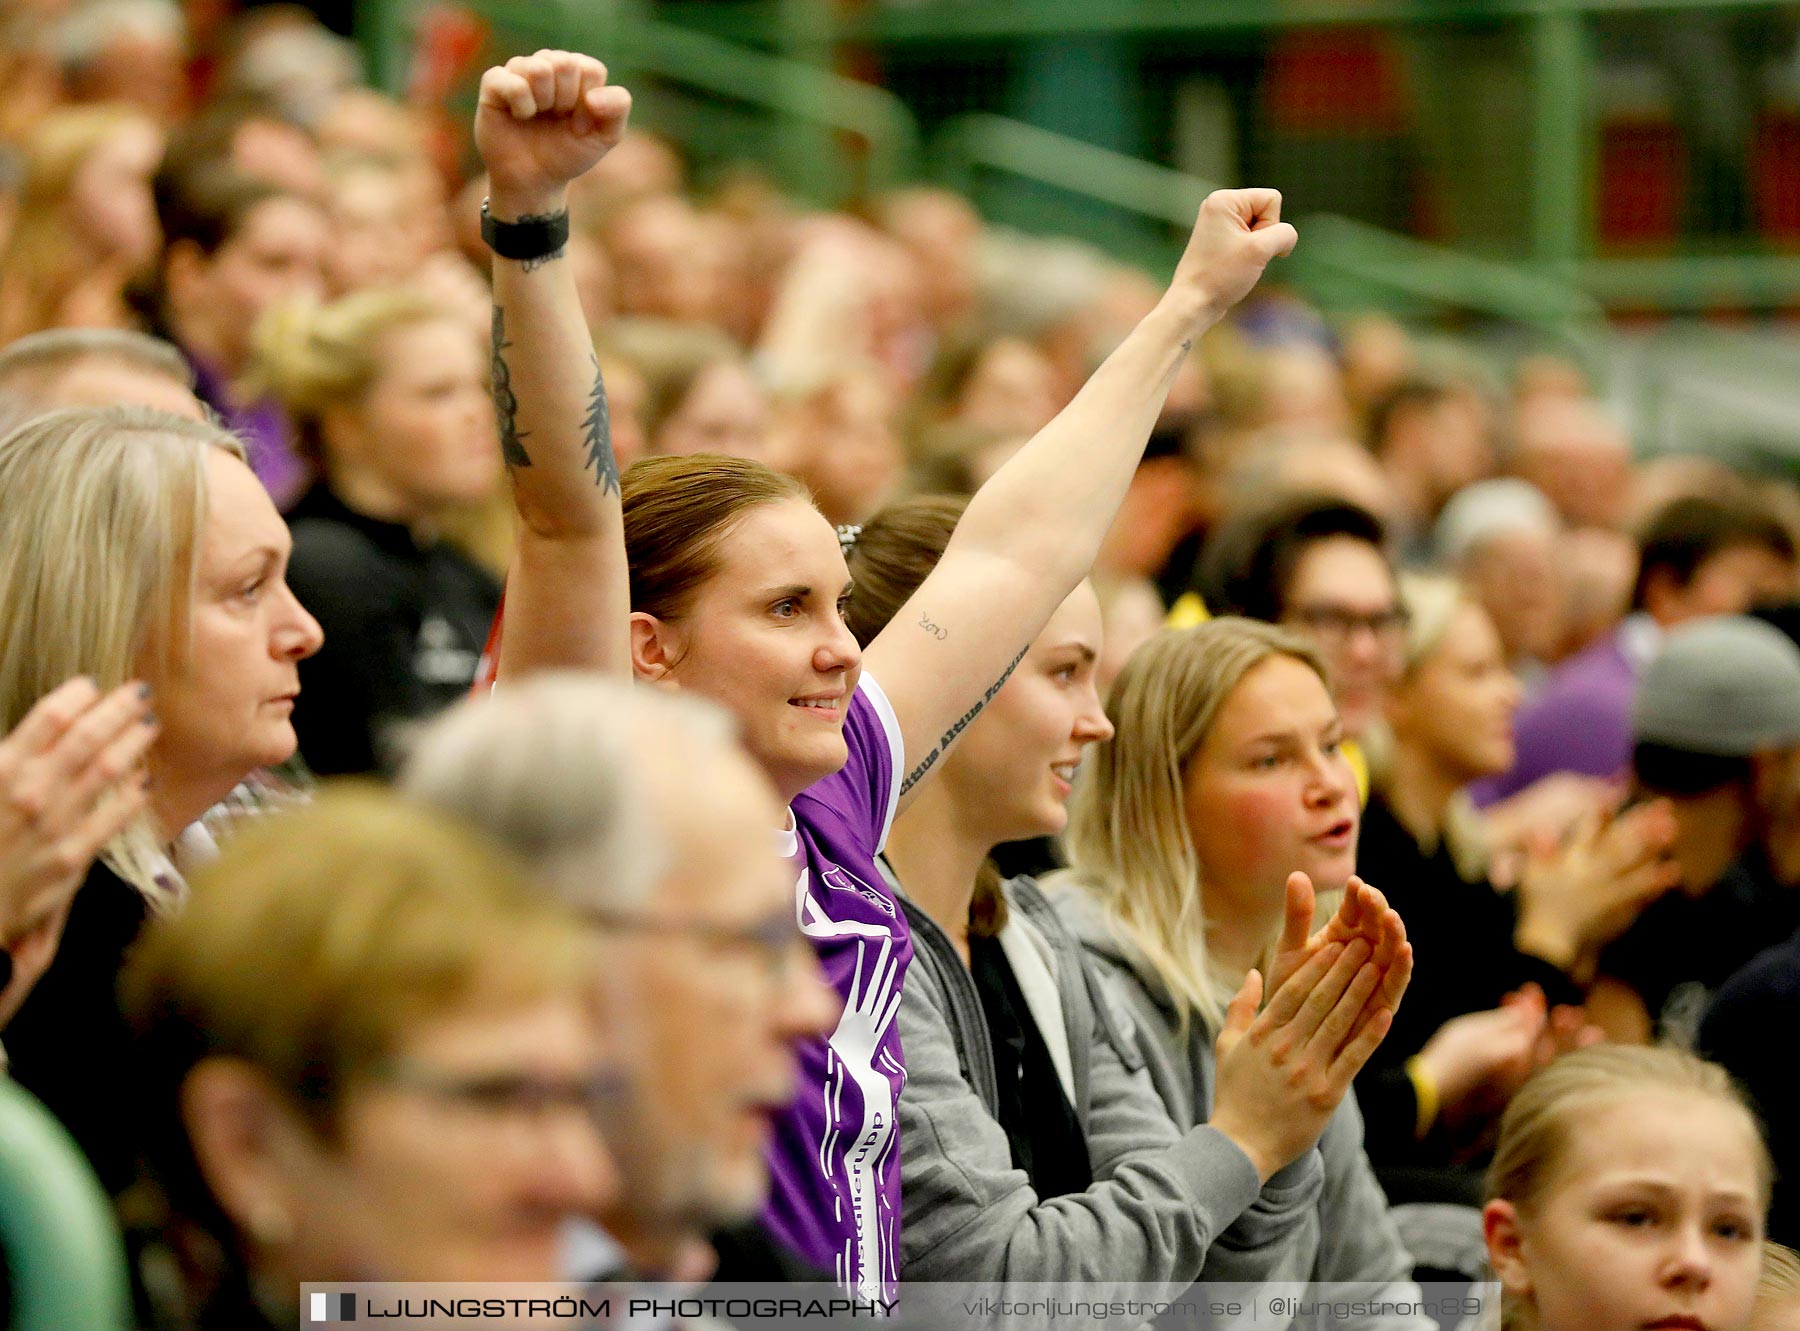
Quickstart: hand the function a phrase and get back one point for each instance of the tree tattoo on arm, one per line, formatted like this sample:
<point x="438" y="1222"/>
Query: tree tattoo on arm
<point x="598" y="428"/>
<point x="930" y="760"/>
<point x="506" y="402"/>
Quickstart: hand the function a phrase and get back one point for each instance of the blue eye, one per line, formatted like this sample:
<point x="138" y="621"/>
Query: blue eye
<point x="785" y="609"/>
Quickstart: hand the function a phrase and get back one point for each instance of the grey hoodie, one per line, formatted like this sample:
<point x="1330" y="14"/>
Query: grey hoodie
<point x="1349" y="1236"/>
<point x="1161" y="1201"/>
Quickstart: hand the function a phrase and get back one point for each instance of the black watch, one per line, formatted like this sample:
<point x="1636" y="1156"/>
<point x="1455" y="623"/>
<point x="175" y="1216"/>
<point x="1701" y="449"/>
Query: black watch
<point x="528" y="238"/>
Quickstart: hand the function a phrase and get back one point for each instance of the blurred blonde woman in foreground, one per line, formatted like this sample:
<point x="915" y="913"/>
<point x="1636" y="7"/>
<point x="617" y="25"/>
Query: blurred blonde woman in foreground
<point x="371" y="1051"/>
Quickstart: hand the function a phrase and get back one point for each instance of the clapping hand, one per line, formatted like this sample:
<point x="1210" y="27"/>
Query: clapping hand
<point x="71" y="779"/>
<point x="1576" y="897"/>
<point x="1362" y="913"/>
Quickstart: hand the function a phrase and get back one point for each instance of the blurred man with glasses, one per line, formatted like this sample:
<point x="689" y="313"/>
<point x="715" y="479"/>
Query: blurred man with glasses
<point x="641" y="812"/>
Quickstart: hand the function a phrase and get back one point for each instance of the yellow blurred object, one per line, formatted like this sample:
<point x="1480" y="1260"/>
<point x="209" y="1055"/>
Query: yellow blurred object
<point x="1425" y="1093"/>
<point x="1187" y="611"/>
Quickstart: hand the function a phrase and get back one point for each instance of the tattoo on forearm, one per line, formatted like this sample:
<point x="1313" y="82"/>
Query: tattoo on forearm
<point x="506" y="402"/>
<point x="930" y="760"/>
<point x="598" y="426"/>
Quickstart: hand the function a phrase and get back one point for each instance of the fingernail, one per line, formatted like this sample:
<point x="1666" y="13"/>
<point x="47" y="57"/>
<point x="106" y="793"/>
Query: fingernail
<point x="149" y="718"/>
<point x="143" y="691"/>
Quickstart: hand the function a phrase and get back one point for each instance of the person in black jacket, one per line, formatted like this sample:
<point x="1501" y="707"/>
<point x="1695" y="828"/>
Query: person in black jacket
<point x="1500" y="977"/>
<point x="1761" y="998"/>
<point x="1716" y="731"/>
<point x="389" y="393"/>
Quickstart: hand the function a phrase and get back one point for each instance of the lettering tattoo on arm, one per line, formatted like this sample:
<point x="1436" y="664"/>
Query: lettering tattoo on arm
<point x="506" y="402"/>
<point x="598" y="426"/>
<point x="930" y="760"/>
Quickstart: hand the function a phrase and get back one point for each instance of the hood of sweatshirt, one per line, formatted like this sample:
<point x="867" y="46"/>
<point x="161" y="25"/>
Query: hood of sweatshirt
<point x="1085" y="917"/>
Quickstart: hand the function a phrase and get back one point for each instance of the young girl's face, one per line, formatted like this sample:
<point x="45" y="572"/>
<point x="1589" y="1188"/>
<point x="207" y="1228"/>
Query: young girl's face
<point x="1652" y="1218"/>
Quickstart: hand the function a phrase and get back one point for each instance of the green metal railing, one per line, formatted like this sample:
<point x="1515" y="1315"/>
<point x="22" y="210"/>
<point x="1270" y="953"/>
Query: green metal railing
<point x="1558" y="40"/>
<point x="1342" y="263"/>
<point x="883" y="147"/>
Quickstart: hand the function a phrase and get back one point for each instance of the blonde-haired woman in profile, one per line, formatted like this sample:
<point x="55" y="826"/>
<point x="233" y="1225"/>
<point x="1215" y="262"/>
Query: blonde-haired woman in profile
<point x="86" y="223"/>
<point x="1628" y="1190"/>
<point x="1501" y="977"/>
<point x="372" y="1051"/>
<point x="389" y="395"/>
<point x="1196" y="838"/>
<point x="136" y="545"/>
<point x="1032" y="1145"/>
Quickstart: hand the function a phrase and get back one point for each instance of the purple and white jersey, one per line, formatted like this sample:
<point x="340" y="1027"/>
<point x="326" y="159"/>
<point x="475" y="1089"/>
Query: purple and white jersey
<point x="835" y="1155"/>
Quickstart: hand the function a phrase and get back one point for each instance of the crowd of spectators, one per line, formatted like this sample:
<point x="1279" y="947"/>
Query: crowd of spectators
<point x="1287" y="600"/>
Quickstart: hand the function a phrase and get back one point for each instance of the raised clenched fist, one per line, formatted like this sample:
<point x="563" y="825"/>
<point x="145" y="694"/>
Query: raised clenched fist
<point x="540" y="121"/>
<point x="1235" y="236"/>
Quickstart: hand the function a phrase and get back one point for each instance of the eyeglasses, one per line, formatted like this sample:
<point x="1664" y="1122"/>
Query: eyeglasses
<point x="777" y="939"/>
<point x="1339" y="623"/>
<point x="513" y="1094"/>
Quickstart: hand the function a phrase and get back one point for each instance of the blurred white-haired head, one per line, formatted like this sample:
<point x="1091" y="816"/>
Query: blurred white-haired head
<point x="1504" y="539"/>
<point x="574" y="774"/>
<point x="1480" y="512"/>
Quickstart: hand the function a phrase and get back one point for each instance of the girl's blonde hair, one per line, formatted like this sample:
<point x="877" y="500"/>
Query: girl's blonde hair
<point x="102" y="511"/>
<point x="1534" y="1130"/>
<point x="1777" y="1289"/>
<point x="43" y="263"/>
<point x="313" y="357"/>
<point x="1128" y="839"/>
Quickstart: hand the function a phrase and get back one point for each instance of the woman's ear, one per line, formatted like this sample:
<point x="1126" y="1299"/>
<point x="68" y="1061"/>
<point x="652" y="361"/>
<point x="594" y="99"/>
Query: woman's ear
<point x="1505" y="1247"/>
<point x="240" y="1132"/>
<point x="653" y="649"/>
